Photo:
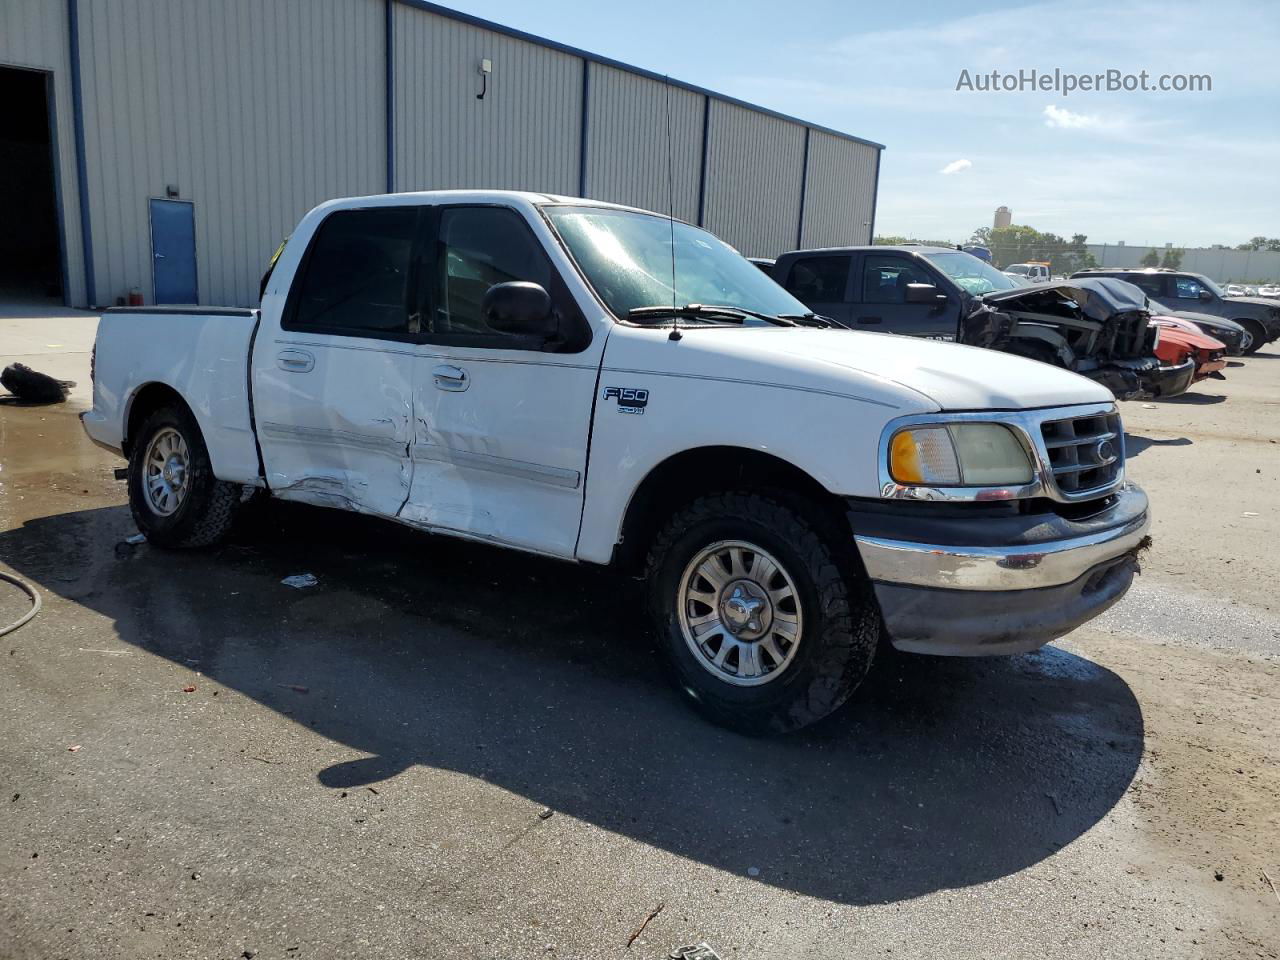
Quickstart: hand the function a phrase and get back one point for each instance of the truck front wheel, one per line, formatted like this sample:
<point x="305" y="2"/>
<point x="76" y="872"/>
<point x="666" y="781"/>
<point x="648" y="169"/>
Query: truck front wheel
<point x="764" y="623"/>
<point x="174" y="496"/>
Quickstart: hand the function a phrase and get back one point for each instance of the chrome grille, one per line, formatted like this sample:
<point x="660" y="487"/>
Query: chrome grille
<point x="1086" y="454"/>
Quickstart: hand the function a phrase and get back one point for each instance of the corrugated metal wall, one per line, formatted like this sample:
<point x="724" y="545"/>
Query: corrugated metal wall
<point x="753" y="179"/>
<point x="840" y="192"/>
<point x="627" y="142"/>
<point x="255" y="111"/>
<point x="523" y="135"/>
<point x="33" y="33"/>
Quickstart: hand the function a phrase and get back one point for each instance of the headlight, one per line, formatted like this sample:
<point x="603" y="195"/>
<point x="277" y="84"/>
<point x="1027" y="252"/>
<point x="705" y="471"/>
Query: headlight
<point x="958" y="455"/>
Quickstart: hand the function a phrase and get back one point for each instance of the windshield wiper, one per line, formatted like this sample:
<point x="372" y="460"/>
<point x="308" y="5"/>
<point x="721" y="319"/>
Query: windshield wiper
<point x="702" y="311"/>
<point x="811" y="320"/>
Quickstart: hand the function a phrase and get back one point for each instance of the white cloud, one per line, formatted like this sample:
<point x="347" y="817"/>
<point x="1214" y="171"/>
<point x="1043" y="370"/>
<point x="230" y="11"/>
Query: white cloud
<point x="1065" y="119"/>
<point x="955" y="166"/>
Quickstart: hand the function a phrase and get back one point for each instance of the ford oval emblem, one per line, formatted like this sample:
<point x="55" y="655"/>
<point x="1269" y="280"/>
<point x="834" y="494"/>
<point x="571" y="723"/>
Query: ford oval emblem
<point x="1104" y="451"/>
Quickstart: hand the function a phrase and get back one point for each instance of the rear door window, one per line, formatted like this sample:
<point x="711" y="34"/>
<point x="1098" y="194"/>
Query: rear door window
<point x="819" y="279"/>
<point x="355" y="278"/>
<point x="1150" y="284"/>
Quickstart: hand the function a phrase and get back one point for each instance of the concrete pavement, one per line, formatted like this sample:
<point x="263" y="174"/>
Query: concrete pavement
<point x="446" y="750"/>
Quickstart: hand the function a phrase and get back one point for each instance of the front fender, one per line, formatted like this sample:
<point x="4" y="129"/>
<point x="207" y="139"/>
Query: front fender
<point x="832" y="437"/>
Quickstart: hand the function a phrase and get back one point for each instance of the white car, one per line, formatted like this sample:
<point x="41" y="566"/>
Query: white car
<point x="509" y="367"/>
<point x="1031" y="272"/>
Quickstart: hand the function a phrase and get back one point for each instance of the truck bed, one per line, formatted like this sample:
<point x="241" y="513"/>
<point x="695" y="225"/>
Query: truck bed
<point x="202" y="353"/>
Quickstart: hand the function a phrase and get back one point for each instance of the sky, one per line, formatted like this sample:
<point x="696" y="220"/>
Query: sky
<point x="1188" y="168"/>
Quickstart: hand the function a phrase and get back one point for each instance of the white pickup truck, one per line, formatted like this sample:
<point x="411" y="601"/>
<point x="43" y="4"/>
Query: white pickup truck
<point x="509" y="367"/>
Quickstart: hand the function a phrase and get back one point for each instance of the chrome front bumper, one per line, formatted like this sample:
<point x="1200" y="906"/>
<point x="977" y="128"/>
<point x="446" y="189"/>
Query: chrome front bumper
<point x="1050" y="576"/>
<point x="997" y="568"/>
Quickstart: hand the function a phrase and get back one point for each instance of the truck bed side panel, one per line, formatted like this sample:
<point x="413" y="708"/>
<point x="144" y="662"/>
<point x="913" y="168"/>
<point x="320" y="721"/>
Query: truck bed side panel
<point x="202" y="355"/>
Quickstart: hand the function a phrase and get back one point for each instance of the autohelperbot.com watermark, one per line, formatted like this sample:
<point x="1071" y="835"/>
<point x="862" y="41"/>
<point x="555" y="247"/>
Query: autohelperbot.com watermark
<point x="1065" y="82"/>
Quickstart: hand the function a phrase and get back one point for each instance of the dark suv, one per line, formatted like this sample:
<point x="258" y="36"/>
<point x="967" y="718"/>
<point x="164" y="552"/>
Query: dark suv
<point x="1096" y="327"/>
<point x="1176" y="291"/>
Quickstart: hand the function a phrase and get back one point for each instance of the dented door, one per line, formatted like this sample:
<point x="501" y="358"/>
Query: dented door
<point x="333" y="367"/>
<point x="499" y="445"/>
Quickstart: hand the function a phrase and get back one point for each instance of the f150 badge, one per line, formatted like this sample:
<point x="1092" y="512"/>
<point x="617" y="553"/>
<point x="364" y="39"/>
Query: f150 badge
<point x="630" y="399"/>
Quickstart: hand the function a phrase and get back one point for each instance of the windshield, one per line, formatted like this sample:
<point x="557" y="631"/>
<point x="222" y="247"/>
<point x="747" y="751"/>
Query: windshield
<point x="972" y="275"/>
<point x="626" y="257"/>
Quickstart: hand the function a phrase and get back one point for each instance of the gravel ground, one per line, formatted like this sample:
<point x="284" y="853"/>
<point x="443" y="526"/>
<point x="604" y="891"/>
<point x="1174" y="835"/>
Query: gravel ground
<point x="448" y="750"/>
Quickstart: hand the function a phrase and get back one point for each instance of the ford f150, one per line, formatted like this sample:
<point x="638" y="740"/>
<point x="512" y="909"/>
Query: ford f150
<point x="605" y="385"/>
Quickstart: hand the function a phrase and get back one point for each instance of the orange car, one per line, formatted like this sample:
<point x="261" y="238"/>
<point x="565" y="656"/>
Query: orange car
<point x="1180" y="339"/>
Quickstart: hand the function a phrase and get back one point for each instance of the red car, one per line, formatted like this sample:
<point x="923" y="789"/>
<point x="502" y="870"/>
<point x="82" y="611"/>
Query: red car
<point x="1180" y="339"/>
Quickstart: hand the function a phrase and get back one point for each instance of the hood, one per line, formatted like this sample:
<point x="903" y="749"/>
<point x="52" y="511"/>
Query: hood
<point x="1193" y="341"/>
<point x="1204" y="319"/>
<point x="1099" y="298"/>
<point x="1271" y="302"/>
<point x="952" y="376"/>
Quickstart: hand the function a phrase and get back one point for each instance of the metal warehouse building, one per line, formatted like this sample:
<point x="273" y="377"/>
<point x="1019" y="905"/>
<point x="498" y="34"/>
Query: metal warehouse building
<point x="168" y="146"/>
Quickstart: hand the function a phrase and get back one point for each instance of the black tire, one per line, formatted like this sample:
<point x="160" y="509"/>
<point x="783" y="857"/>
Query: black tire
<point x="1259" y="333"/>
<point x="208" y="508"/>
<point x="841" y="621"/>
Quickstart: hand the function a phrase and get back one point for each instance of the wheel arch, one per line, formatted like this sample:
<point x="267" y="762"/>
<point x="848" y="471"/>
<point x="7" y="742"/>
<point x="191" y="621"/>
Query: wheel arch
<point x="144" y="401"/>
<point x="1256" y="327"/>
<point x="1043" y="336"/>
<point x="685" y="476"/>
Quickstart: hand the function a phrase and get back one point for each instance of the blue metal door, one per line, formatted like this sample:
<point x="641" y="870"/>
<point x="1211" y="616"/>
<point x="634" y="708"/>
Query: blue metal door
<point x="173" y="251"/>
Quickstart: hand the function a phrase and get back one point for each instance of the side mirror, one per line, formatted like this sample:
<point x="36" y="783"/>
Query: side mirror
<point x="519" y="307"/>
<point x="1206" y="294"/>
<point x="923" y="293"/>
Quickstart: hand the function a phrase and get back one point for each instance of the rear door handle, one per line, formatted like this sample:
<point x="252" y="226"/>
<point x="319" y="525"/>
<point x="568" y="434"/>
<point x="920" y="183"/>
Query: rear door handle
<point x="295" y="361"/>
<point x="869" y="320"/>
<point x="449" y="377"/>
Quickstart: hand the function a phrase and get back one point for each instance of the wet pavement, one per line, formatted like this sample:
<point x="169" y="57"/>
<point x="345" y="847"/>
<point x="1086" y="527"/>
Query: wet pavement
<point x="443" y="749"/>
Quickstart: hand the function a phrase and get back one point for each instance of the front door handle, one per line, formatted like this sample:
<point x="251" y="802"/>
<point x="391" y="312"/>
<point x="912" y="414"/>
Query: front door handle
<point x="449" y="377"/>
<point x="869" y="320"/>
<point x="295" y="361"/>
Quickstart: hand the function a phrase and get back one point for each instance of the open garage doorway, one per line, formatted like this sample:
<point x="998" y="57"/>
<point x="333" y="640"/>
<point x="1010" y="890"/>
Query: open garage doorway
<point x="31" y="255"/>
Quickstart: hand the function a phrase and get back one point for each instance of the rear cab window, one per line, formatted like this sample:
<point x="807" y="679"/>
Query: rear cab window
<point x="354" y="280"/>
<point x="1150" y="284"/>
<point x="819" y="279"/>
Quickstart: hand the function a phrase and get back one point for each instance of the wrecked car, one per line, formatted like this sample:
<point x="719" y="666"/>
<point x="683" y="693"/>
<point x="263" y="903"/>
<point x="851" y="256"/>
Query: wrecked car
<point x="1180" y="339"/>
<point x="1097" y="328"/>
<point x="525" y="370"/>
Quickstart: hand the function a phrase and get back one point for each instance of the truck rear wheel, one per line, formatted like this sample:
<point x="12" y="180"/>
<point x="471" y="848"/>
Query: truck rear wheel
<point x="173" y="495"/>
<point x="764" y="626"/>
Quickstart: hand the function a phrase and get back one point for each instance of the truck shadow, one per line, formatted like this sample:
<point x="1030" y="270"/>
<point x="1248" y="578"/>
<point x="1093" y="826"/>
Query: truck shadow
<point x="1135" y="443"/>
<point x="1195" y="399"/>
<point x="538" y="677"/>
